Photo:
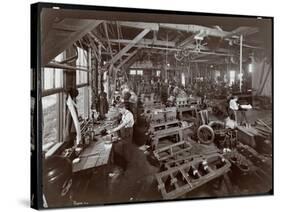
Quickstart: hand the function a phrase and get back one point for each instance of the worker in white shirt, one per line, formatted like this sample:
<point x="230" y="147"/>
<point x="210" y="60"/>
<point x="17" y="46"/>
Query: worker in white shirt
<point x="234" y="107"/>
<point x="130" y="100"/>
<point x="126" y="133"/>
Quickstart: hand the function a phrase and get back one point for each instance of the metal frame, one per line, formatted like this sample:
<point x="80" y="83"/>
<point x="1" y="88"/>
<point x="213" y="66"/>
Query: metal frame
<point x="173" y="151"/>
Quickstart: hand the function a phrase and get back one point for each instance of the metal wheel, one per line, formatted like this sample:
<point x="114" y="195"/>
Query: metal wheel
<point x="205" y="134"/>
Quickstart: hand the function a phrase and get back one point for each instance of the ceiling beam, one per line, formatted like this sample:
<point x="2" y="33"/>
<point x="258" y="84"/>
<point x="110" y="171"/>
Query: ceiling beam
<point x="195" y="29"/>
<point x="127" y="59"/>
<point x="205" y="50"/>
<point x="54" y="44"/>
<point x="129" y="46"/>
<point x="245" y="31"/>
<point x="146" y="42"/>
<point x="96" y="39"/>
<point x="186" y="41"/>
<point x="140" y="25"/>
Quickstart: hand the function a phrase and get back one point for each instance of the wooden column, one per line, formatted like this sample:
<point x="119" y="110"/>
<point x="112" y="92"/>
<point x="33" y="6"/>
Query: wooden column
<point x="90" y="76"/>
<point x="99" y="70"/>
<point x="241" y="62"/>
<point x="70" y="76"/>
<point x="93" y="79"/>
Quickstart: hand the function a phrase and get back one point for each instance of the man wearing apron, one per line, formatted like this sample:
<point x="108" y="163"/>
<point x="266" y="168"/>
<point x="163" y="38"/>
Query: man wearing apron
<point x="126" y="133"/>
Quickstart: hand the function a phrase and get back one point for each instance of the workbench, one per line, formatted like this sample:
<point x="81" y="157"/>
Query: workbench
<point x="247" y="135"/>
<point x="166" y="131"/>
<point x="192" y="109"/>
<point x="95" y="155"/>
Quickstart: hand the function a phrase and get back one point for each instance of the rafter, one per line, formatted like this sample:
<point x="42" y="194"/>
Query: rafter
<point x="146" y="42"/>
<point x="195" y="29"/>
<point x="54" y="44"/>
<point x="127" y="59"/>
<point x="107" y="37"/>
<point x="186" y="41"/>
<point x="129" y="46"/>
<point x="140" y="25"/>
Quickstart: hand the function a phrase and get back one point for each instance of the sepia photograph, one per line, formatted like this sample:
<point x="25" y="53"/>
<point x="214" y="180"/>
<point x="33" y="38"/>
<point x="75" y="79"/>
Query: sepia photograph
<point x="143" y="105"/>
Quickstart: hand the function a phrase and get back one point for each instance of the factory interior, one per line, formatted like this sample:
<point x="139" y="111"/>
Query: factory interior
<point x="141" y="107"/>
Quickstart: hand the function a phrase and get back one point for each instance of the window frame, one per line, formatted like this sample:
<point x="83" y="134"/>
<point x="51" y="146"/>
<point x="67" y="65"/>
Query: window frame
<point x="84" y="85"/>
<point x="60" y="107"/>
<point x="60" y="111"/>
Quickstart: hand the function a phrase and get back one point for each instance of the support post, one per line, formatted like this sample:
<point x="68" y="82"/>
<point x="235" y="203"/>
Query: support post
<point x="99" y="69"/>
<point x="90" y="80"/>
<point x="241" y="61"/>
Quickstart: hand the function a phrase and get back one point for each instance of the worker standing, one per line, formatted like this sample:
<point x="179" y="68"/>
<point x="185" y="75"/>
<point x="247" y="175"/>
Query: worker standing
<point x="233" y="106"/>
<point x="126" y="133"/>
<point x="133" y="104"/>
<point x="130" y="101"/>
<point x="102" y="104"/>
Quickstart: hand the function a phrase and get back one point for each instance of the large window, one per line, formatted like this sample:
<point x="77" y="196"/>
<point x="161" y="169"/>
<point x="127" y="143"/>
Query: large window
<point x="54" y="100"/>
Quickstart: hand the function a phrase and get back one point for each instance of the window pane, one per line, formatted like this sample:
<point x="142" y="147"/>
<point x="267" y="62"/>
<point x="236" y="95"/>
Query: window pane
<point x="231" y="77"/>
<point x="183" y="79"/>
<point x="81" y="77"/>
<point x="132" y="72"/>
<point x="82" y="58"/>
<point x="139" y="72"/>
<point x="84" y="74"/>
<point x="158" y="73"/>
<point x="59" y="58"/>
<point x="50" y="119"/>
<point x="77" y="77"/>
<point x="48" y="78"/>
<point x="80" y="100"/>
<point x="58" y="78"/>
